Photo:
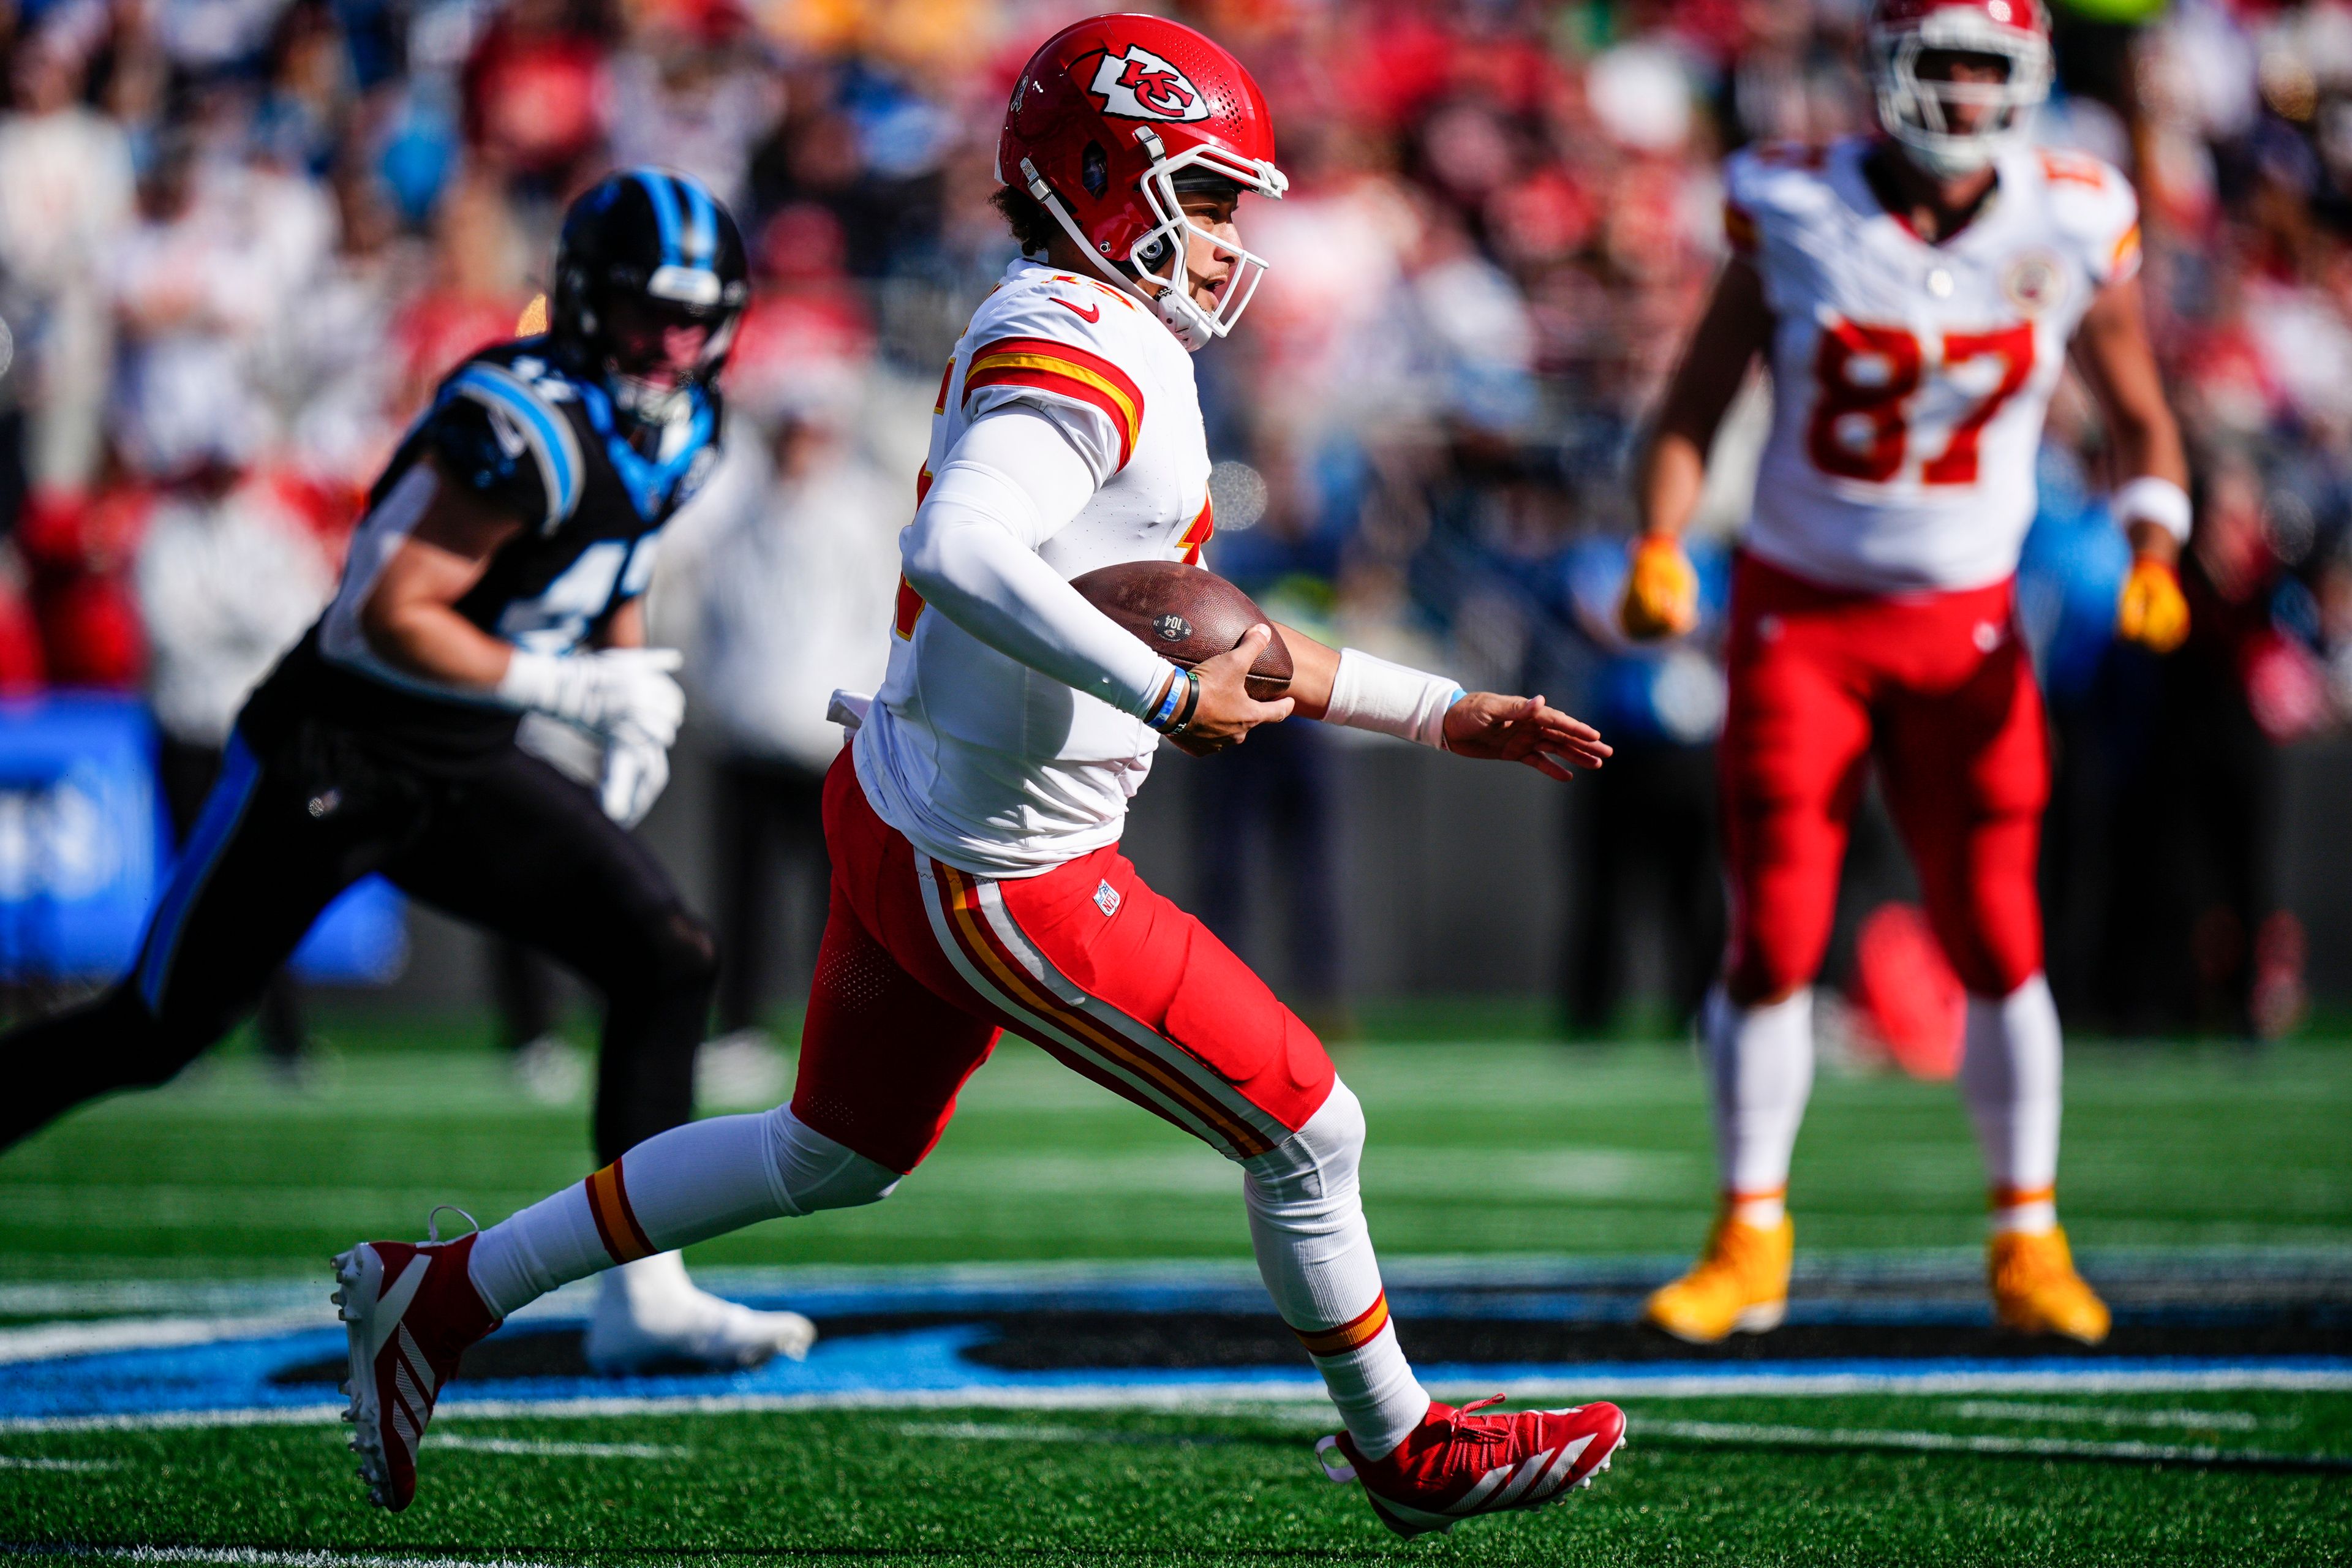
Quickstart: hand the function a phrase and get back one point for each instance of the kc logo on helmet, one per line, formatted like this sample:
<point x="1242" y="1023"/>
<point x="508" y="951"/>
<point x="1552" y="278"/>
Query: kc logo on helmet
<point x="1140" y="85"/>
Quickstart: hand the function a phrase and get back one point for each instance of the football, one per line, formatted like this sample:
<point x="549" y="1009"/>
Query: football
<point x="1186" y="615"/>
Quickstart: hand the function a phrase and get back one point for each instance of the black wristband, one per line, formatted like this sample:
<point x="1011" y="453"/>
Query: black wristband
<point x="1183" y="720"/>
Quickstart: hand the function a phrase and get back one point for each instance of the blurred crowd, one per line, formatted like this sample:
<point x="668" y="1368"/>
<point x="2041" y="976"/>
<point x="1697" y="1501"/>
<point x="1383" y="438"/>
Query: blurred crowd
<point x="241" y="239"/>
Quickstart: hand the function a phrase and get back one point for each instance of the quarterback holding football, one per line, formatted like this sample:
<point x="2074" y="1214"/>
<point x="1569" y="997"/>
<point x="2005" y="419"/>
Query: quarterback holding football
<point x="1914" y="297"/>
<point x="973" y="821"/>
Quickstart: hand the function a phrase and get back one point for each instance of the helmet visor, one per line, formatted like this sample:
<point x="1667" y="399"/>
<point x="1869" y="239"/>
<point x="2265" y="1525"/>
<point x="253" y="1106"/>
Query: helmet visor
<point x="1162" y="256"/>
<point x="662" y="341"/>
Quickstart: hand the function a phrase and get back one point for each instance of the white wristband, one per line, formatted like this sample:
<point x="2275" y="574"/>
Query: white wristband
<point x="2150" y="500"/>
<point x="1368" y="693"/>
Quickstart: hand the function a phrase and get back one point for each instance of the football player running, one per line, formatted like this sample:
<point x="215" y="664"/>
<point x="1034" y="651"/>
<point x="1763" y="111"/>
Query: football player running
<point x="974" y="819"/>
<point x="497" y="572"/>
<point x="1914" y="296"/>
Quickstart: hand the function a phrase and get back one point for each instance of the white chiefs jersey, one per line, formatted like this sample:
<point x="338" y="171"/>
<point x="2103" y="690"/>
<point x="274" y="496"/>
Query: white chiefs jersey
<point x="978" y="760"/>
<point x="1910" y="380"/>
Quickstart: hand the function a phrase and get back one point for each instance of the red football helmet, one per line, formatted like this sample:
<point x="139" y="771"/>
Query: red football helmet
<point x="1915" y="109"/>
<point x="1105" y="121"/>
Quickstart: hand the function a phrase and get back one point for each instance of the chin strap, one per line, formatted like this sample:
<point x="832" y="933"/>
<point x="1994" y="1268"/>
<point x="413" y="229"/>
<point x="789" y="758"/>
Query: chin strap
<point x="1189" y="331"/>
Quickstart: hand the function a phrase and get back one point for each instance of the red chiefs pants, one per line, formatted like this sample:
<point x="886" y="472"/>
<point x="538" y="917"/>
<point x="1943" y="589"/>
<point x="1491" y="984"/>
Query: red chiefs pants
<point x="1938" y="689"/>
<point x="923" y="965"/>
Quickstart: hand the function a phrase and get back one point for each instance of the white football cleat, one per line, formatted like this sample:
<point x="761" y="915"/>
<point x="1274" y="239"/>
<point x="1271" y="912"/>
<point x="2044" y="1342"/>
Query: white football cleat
<point x="649" y="1311"/>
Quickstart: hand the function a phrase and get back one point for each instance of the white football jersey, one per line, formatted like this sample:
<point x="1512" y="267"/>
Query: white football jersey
<point x="1910" y="380"/>
<point x="978" y="760"/>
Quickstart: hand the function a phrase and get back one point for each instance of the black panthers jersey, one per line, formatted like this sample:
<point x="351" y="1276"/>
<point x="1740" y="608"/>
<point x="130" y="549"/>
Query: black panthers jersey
<point x="544" y="443"/>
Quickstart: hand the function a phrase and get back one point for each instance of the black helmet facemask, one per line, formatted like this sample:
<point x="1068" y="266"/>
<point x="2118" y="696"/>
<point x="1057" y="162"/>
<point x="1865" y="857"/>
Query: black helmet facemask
<point x="644" y="254"/>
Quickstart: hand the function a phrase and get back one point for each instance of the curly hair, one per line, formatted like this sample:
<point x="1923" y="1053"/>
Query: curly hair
<point x="1033" y="227"/>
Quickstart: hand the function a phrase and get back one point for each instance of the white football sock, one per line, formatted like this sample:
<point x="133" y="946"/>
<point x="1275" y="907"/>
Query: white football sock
<point x="1761" y="1059"/>
<point x="1315" y="1253"/>
<point x="678" y="1188"/>
<point x="2009" y="1072"/>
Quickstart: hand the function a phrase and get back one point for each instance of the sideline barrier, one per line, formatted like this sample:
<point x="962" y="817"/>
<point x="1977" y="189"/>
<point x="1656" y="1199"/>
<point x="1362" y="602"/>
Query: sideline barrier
<point x="85" y="851"/>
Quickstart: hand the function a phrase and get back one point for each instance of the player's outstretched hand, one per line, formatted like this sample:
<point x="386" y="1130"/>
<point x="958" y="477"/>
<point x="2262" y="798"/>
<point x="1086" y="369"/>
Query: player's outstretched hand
<point x="1523" y="730"/>
<point x="1227" y="713"/>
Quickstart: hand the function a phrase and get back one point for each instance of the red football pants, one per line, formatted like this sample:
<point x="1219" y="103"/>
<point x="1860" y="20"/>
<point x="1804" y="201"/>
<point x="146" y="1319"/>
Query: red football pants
<point x="1938" y="689"/>
<point x="923" y="965"/>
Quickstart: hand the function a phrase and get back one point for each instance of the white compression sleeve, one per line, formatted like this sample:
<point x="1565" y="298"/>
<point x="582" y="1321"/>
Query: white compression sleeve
<point x="1007" y="487"/>
<point x="1368" y="693"/>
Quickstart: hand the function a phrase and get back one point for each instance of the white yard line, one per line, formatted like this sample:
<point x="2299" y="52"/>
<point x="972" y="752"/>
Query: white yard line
<point x="1005" y="1432"/>
<point x="527" y="1446"/>
<point x="49" y="1341"/>
<point x="31" y="1462"/>
<point x="2109" y="1415"/>
<point x="1954" y="1443"/>
<point x="1253" y="1394"/>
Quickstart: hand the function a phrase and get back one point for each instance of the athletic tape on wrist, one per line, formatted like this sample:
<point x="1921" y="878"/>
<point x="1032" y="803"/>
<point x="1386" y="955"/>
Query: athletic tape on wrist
<point x="2152" y="500"/>
<point x="1371" y="693"/>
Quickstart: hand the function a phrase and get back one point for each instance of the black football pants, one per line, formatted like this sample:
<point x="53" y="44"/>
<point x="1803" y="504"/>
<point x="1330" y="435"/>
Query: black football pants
<point x="516" y="848"/>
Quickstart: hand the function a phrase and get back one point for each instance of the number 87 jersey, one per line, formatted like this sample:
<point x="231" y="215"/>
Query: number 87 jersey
<point x="1910" y="380"/>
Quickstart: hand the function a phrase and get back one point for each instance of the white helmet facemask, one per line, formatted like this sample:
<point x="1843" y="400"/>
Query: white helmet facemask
<point x="1917" y="112"/>
<point x="1156" y="268"/>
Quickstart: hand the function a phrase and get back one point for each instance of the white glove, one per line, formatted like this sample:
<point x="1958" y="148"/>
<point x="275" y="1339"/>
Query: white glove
<point x="604" y="693"/>
<point x="634" y="771"/>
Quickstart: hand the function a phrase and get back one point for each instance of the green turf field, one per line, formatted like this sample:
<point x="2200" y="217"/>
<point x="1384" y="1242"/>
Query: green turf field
<point x="1710" y="1482"/>
<point x="1494" y="1149"/>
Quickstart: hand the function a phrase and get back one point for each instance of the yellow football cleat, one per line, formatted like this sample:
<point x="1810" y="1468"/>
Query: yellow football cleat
<point x="1740" y="1286"/>
<point x="2035" y="1289"/>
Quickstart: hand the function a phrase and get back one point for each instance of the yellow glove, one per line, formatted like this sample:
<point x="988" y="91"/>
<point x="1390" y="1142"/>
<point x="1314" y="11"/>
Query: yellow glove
<point x="2152" y="611"/>
<point x="1661" y="597"/>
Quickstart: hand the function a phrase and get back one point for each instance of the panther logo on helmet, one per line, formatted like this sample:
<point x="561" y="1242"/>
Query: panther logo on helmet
<point x="1140" y="85"/>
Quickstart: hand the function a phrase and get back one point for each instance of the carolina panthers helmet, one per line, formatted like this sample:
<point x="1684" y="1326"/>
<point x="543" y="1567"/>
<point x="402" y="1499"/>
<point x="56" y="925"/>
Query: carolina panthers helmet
<point x="1915" y="110"/>
<point x="1110" y="118"/>
<point x="646" y="246"/>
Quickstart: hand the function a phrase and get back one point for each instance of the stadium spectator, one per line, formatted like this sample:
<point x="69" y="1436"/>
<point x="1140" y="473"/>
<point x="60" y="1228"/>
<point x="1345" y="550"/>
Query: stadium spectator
<point x="1642" y="839"/>
<point x="797" y="574"/>
<point x="229" y="573"/>
<point x="64" y="198"/>
<point x="1501" y="222"/>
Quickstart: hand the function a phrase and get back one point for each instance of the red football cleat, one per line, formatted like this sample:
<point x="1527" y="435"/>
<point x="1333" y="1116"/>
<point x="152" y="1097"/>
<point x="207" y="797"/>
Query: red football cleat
<point x="1456" y="1464"/>
<point x="410" y="1311"/>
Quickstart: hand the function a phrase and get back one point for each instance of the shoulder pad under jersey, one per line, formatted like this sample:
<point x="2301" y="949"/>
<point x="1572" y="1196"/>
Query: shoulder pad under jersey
<point x="1071" y="346"/>
<point x="499" y="429"/>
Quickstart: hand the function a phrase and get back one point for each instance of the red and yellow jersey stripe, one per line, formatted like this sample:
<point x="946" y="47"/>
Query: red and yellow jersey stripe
<point x="2125" y="260"/>
<point x="1068" y="370"/>
<point x="1198" y="533"/>
<point x="909" y="610"/>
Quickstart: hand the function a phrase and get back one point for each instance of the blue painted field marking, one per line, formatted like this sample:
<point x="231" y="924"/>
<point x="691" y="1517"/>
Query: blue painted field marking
<point x="265" y="1366"/>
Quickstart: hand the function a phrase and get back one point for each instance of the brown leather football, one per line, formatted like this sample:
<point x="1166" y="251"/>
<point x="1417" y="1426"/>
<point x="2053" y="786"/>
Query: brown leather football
<point x="1185" y="614"/>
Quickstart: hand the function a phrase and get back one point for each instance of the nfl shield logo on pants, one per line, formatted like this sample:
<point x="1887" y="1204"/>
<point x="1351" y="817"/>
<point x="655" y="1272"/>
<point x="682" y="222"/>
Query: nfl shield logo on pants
<point x="1107" y="900"/>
